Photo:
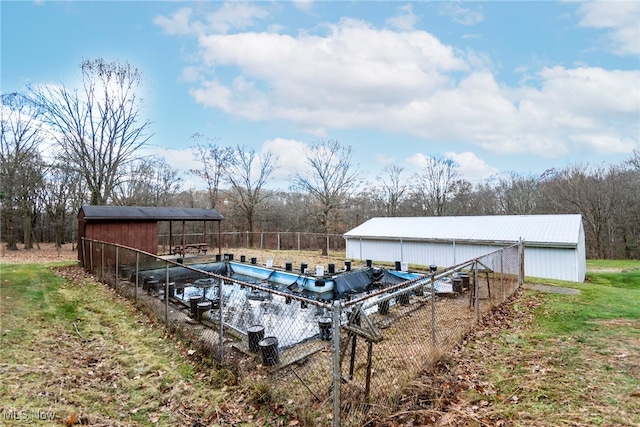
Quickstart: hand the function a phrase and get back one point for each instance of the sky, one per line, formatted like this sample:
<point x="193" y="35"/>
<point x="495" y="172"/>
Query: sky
<point x="501" y="86"/>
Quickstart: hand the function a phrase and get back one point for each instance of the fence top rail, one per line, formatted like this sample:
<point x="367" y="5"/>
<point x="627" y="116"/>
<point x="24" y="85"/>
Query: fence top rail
<point x="307" y="233"/>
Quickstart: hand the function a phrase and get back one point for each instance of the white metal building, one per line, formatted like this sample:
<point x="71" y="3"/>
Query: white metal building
<point x="554" y="244"/>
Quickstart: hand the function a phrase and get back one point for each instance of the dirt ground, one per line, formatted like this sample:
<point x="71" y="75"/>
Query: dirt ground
<point x="46" y="253"/>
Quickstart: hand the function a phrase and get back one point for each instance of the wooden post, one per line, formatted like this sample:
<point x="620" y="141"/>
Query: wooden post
<point x="184" y="236"/>
<point x="367" y="385"/>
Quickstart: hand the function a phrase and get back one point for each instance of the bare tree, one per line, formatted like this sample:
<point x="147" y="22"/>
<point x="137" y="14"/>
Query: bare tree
<point x="436" y="185"/>
<point x="517" y="194"/>
<point x="392" y="189"/>
<point x="329" y="179"/>
<point x="56" y="198"/>
<point x="150" y="182"/>
<point x="469" y="199"/>
<point x="248" y="173"/>
<point x="214" y="160"/>
<point x="592" y="192"/>
<point x="21" y="166"/>
<point x="98" y="129"/>
<point x="626" y="218"/>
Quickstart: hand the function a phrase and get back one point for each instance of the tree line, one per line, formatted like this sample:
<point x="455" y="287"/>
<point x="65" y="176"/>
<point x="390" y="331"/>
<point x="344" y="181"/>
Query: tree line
<point x="61" y="148"/>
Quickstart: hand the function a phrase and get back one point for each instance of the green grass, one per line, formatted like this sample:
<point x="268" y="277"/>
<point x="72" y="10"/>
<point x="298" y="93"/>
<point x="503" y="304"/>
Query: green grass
<point x="594" y="265"/>
<point x="576" y="363"/>
<point x="77" y="348"/>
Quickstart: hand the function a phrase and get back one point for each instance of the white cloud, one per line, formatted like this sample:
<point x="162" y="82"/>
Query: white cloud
<point x="404" y="20"/>
<point x="461" y="15"/>
<point x="291" y="156"/>
<point x="179" y="23"/>
<point x="418" y="161"/>
<point x="472" y="168"/>
<point x="182" y="159"/>
<point x="620" y="18"/>
<point x="358" y="76"/>
<point x="385" y="159"/>
<point x="303" y="5"/>
<point x="232" y="15"/>
<point x="298" y="75"/>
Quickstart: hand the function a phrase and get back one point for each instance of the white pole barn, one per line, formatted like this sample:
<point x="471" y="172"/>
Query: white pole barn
<point x="554" y="244"/>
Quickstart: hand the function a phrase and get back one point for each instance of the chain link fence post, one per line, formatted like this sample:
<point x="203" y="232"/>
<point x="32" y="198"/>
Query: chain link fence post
<point x="476" y="290"/>
<point x="336" y="363"/>
<point x="521" y="259"/>
<point x="135" y="292"/>
<point x="221" y="319"/>
<point x="115" y="281"/>
<point x="166" y="295"/>
<point x="433" y="311"/>
<point x="102" y="262"/>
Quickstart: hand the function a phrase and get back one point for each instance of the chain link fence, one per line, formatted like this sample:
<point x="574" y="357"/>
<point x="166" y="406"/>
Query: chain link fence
<point x="274" y="240"/>
<point x="338" y="346"/>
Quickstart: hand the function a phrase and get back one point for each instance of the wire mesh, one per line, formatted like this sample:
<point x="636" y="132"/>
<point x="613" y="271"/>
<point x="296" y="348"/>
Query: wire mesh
<point x="333" y="363"/>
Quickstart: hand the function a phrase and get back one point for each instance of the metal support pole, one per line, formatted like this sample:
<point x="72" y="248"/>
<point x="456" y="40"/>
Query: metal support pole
<point x="221" y="318"/>
<point x="91" y="255"/>
<point x="298" y="241"/>
<point x="166" y="295"/>
<point x="137" y="270"/>
<point x="476" y="290"/>
<point x="521" y="259"/>
<point x="102" y="261"/>
<point x="115" y="282"/>
<point x="336" y="363"/>
<point x="433" y="311"/>
<point x="278" y="240"/>
<point x="502" y="274"/>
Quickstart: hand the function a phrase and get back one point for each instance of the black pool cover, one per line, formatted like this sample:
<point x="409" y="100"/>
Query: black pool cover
<point x="358" y="280"/>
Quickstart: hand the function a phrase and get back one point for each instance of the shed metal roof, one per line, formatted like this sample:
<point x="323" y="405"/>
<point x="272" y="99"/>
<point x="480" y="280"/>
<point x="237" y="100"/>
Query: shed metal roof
<point x="560" y="230"/>
<point x="138" y="213"/>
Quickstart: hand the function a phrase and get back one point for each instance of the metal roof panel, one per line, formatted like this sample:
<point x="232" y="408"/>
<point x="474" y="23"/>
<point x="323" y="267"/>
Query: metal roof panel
<point x="94" y="213"/>
<point x="552" y="229"/>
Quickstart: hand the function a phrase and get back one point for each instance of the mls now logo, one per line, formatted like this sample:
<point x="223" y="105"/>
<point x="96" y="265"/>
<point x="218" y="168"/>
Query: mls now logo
<point x="24" y="415"/>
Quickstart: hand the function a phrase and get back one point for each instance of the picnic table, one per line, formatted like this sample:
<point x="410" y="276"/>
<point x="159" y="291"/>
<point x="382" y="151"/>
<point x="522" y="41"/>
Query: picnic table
<point x="190" y="247"/>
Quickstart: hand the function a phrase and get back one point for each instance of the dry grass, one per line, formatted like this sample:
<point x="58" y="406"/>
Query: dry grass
<point x="44" y="253"/>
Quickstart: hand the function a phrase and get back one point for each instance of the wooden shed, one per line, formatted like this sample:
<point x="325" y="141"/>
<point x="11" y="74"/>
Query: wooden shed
<point x="137" y="227"/>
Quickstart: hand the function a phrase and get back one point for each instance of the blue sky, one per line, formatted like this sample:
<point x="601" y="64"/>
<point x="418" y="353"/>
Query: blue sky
<point x="497" y="86"/>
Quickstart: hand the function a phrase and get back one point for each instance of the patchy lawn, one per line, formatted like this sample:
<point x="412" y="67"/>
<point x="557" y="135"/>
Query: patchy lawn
<point x="74" y="352"/>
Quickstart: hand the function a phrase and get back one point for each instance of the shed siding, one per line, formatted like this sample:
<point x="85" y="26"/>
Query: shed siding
<point x="415" y="252"/>
<point x="581" y="255"/>
<point x="556" y="263"/>
<point x="140" y="235"/>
